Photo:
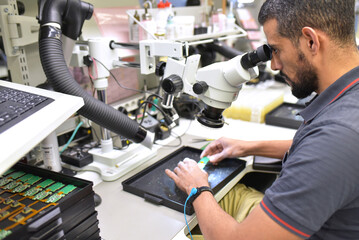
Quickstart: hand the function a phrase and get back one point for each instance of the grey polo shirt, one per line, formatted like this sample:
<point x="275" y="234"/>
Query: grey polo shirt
<point x="317" y="193"/>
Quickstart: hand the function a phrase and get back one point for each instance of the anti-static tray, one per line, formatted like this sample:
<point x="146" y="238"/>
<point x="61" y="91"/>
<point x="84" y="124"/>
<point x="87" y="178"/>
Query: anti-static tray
<point x="285" y="115"/>
<point x="155" y="186"/>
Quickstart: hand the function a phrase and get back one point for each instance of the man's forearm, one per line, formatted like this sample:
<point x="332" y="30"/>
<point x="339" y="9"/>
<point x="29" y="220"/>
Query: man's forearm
<point x="213" y="221"/>
<point x="273" y="148"/>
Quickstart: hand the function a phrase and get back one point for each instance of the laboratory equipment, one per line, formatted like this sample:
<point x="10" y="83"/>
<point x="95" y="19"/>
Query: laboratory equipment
<point x="217" y="85"/>
<point x="53" y="26"/>
<point x="56" y="28"/>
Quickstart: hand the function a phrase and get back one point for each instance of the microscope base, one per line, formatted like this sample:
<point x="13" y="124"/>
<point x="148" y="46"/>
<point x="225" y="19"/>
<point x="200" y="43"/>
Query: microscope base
<point x="116" y="163"/>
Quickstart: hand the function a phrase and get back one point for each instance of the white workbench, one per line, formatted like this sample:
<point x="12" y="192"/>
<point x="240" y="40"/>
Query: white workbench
<point x="123" y="215"/>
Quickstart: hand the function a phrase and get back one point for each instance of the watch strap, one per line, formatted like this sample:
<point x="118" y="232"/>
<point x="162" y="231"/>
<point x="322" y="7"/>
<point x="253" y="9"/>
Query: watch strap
<point x="199" y="191"/>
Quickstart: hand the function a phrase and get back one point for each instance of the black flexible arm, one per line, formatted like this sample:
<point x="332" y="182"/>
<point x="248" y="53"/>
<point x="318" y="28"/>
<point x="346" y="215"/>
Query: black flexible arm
<point x="70" y="14"/>
<point x="57" y="73"/>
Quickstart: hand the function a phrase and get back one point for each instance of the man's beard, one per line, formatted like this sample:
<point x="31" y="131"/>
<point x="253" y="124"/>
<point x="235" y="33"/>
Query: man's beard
<point x="306" y="76"/>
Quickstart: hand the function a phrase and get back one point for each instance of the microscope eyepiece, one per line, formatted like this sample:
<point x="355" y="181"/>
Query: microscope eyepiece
<point x="251" y="59"/>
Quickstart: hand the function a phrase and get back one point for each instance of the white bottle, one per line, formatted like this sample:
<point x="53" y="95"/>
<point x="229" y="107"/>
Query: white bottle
<point x="221" y="21"/>
<point x="161" y="20"/>
<point x="218" y="21"/>
<point x="231" y="21"/>
<point x="134" y="30"/>
<point x="170" y="28"/>
<point x="148" y="23"/>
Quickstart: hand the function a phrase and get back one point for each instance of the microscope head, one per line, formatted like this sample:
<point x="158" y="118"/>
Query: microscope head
<point x="218" y="84"/>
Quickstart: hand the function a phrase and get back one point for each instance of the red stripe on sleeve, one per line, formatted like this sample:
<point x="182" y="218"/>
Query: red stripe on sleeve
<point x="284" y="223"/>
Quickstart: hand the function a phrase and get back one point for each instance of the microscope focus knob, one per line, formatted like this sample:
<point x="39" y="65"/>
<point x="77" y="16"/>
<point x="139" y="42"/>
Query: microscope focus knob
<point x="160" y="69"/>
<point x="200" y="87"/>
<point x="172" y="84"/>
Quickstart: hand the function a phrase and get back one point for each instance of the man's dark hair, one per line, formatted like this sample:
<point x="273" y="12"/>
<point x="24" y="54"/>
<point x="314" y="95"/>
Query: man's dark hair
<point x="333" y="17"/>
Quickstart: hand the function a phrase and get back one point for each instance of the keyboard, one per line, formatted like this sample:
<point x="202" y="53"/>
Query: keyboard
<point x="29" y="115"/>
<point x="16" y="105"/>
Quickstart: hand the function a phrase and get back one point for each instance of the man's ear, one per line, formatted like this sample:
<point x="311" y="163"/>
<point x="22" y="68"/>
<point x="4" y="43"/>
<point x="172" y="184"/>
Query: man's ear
<point x="311" y="39"/>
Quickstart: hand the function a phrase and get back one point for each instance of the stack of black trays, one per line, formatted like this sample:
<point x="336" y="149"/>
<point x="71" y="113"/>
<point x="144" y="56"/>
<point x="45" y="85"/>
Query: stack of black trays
<point x="39" y="204"/>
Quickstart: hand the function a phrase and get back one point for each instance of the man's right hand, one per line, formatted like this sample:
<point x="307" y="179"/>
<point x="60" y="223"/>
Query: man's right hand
<point x="226" y="148"/>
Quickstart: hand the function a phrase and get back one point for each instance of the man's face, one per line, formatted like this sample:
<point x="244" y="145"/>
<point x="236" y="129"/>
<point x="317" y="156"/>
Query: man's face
<point x="291" y="62"/>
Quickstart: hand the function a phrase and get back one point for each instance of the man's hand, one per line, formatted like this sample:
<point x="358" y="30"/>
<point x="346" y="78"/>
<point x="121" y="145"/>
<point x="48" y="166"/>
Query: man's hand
<point x="225" y="148"/>
<point x="188" y="175"/>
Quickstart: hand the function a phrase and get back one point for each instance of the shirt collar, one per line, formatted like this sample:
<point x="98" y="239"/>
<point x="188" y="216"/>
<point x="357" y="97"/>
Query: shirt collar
<point x="332" y="93"/>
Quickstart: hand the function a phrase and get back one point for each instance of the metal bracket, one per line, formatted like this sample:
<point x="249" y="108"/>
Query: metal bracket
<point x="16" y="31"/>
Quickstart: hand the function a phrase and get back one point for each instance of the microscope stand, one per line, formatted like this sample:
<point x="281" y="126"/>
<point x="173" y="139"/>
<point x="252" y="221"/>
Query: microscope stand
<point x="116" y="163"/>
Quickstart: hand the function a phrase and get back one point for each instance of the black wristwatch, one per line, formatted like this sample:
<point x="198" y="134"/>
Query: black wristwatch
<point x="199" y="191"/>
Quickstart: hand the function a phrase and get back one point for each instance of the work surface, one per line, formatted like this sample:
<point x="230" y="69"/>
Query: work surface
<point x="123" y="215"/>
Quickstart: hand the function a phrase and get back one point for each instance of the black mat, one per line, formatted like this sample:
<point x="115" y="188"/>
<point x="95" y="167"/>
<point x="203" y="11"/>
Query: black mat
<point x="155" y="186"/>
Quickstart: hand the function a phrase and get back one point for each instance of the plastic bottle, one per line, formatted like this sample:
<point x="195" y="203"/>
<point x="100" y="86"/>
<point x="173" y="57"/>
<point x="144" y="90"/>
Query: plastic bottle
<point x="134" y="36"/>
<point x="230" y="21"/>
<point x="222" y="20"/>
<point x="170" y="28"/>
<point x="168" y="7"/>
<point x="161" y="20"/>
<point x="218" y="21"/>
<point x="148" y="23"/>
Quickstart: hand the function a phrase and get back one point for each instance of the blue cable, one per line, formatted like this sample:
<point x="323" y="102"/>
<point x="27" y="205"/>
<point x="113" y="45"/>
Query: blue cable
<point x="193" y="192"/>
<point x="72" y="137"/>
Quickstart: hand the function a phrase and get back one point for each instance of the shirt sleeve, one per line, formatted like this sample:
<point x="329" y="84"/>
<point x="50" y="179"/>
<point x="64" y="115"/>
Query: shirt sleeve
<point x="319" y="176"/>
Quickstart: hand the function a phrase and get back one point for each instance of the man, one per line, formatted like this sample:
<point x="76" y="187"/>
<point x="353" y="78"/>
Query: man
<point x="317" y="193"/>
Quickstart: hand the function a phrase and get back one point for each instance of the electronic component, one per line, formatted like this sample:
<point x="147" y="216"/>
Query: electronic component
<point x="16" y="183"/>
<point x="18" y="218"/>
<point x="61" y="193"/>
<point x="27" y="184"/>
<point x="27" y="209"/>
<point x="203" y="162"/>
<point x="11" y="177"/>
<point x="4" y="214"/>
<point x="77" y="156"/>
<point x="48" y="191"/>
<point x="8" y="201"/>
<point x="4" y="233"/>
<point x="50" y="198"/>
<point x="8" y="172"/>
<point x="32" y="191"/>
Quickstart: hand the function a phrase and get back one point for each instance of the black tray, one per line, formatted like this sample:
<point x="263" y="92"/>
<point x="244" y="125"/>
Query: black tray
<point x="285" y="115"/>
<point x="155" y="186"/>
<point x="54" y="220"/>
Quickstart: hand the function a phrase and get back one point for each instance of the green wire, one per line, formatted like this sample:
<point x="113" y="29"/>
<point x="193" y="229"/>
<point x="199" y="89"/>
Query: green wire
<point x="72" y="137"/>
